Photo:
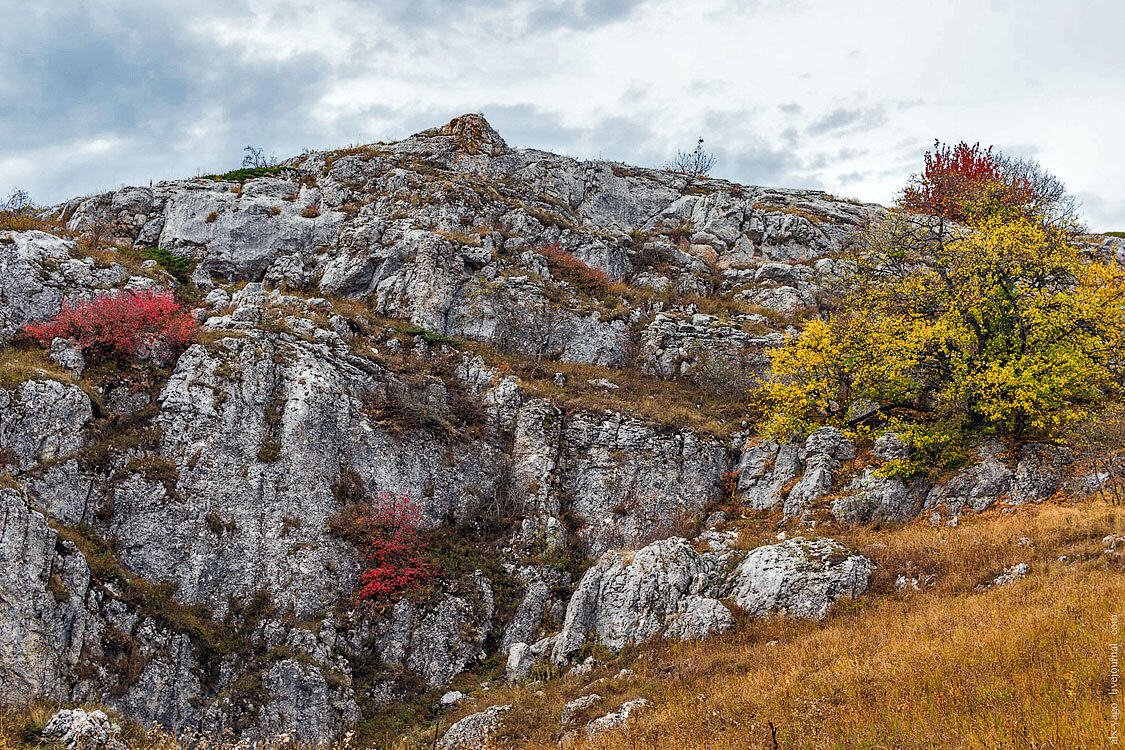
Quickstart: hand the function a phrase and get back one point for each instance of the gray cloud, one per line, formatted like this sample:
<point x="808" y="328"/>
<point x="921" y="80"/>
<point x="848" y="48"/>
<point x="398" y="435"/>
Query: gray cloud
<point x="843" y="119"/>
<point x="94" y="93"/>
<point x="580" y="14"/>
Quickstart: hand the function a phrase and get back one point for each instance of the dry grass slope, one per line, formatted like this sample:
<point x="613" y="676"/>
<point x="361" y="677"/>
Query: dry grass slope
<point x="1020" y="666"/>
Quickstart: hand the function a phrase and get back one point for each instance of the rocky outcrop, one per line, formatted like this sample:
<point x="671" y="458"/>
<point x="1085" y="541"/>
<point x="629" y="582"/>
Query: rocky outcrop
<point x="668" y="586"/>
<point x="793" y="474"/>
<point x="38" y="272"/>
<point x="41" y="421"/>
<point x="615" y="720"/>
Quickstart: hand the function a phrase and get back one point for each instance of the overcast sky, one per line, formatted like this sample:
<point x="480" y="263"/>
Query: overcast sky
<point x="842" y="96"/>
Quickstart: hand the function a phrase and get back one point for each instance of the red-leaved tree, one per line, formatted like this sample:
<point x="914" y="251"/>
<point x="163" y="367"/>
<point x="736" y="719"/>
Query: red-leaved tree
<point x="388" y="536"/>
<point x="966" y="183"/>
<point x="116" y="324"/>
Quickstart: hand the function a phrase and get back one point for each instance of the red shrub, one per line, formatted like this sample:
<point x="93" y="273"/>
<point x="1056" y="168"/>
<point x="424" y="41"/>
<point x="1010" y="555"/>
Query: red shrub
<point x="388" y="536"/>
<point x="592" y="281"/>
<point x="117" y="323"/>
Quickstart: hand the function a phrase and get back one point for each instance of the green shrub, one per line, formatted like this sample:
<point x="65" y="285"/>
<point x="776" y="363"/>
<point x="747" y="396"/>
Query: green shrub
<point x="246" y="173"/>
<point x="179" y="266"/>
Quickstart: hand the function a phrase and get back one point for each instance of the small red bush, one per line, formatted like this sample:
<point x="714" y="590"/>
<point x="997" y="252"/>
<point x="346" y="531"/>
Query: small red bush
<point x="592" y="281"/>
<point x="388" y="536"/>
<point x="118" y="323"/>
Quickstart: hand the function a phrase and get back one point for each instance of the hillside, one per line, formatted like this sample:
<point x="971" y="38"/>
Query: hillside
<point x="546" y="369"/>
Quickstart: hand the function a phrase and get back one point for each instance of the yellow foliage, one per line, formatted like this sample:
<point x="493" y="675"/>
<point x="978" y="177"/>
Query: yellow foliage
<point x="1004" y="327"/>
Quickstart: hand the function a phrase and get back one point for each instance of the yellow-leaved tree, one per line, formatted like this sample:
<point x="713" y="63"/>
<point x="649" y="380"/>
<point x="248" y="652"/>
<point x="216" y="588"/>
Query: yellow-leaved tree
<point x="1001" y="326"/>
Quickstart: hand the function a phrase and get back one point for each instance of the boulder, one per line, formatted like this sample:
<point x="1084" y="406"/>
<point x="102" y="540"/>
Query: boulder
<point x="627" y="597"/>
<point x="76" y="728"/>
<point x="521" y="660"/>
<point x="799" y="577"/>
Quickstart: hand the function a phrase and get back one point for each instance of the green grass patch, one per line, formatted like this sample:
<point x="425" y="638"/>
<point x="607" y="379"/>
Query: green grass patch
<point x="178" y="265"/>
<point x="247" y="173"/>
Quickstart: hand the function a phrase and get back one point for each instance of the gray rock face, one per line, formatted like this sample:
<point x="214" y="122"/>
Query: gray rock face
<point x="824" y="450"/>
<point x="628" y="503"/>
<point x="389" y="222"/>
<point x="871" y="498"/>
<point x="977" y="487"/>
<point x="706" y="346"/>
<point x="218" y="411"/>
<point x="540" y="602"/>
<point x="801" y="578"/>
<point x="764" y="470"/>
<point x="627" y="597"/>
<point x="698" y="618"/>
<point x="38" y="272"/>
<point x="43" y="587"/>
<point x="42" y="421"/>
<point x="1039" y="473"/>
<point x="229" y="467"/>
<point x="793" y="474"/>
<point x="474" y="731"/>
<point x="299" y="695"/>
<point x="521" y="660"/>
<point x="67" y="354"/>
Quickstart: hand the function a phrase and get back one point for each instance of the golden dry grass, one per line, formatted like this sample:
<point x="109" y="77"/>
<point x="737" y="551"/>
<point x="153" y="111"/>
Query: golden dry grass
<point x="1020" y="666"/>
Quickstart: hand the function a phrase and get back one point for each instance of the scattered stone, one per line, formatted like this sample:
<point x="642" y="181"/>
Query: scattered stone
<point x="902" y="583"/>
<point x="586" y="667"/>
<point x="452" y="698"/>
<point x="616" y="720"/>
<point x="1007" y="576"/>
<point x="609" y="385"/>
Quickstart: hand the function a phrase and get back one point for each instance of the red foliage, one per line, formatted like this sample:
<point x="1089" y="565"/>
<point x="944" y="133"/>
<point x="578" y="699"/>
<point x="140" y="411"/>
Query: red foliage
<point x="963" y="182"/>
<point x="388" y="536"/>
<point x="592" y="281"/>
<point x="117" y="323"/>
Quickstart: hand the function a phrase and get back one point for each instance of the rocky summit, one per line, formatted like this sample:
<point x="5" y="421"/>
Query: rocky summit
<point x="548" y="361"/>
